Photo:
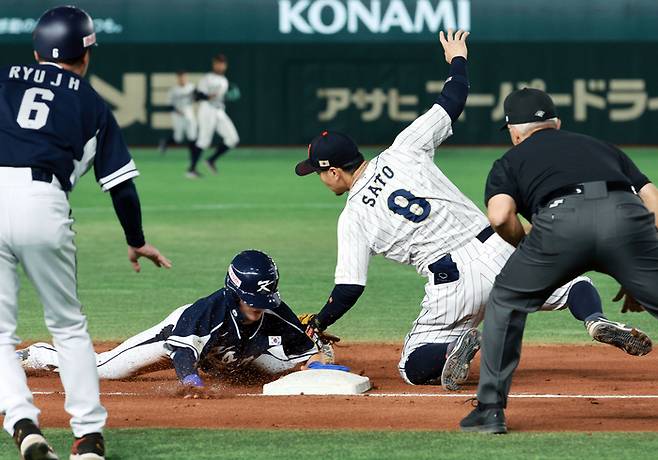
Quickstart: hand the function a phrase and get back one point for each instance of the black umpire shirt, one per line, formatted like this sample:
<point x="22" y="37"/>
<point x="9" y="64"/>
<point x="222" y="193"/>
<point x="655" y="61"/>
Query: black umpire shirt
<point x="551" y="159"/>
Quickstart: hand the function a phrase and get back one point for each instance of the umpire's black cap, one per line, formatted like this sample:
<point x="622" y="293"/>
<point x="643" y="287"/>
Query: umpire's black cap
<point x="527" y="105"/>
<point x="330" y="149"/>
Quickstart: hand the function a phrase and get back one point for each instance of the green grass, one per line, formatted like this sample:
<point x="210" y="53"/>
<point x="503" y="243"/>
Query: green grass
<point x="258" y="202"/>
<point x="208" y="444"/>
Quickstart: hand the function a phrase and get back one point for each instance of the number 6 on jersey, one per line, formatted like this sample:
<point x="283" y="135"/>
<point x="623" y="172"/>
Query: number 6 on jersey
<point x="29" y="107"/>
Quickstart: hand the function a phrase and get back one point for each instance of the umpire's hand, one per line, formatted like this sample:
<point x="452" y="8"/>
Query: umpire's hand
<point x="454" y="45"/>
<point x="151" y="253"/>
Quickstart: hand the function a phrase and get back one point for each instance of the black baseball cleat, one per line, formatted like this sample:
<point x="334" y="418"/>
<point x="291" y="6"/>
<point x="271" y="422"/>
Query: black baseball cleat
<point x="485" y="418"/>
<point x="89" y="447"/>
<point x="458" y="361"/>
<point x="633" y="341"/>
<point x="211" y="166"/>
<point x="31" y="443"/>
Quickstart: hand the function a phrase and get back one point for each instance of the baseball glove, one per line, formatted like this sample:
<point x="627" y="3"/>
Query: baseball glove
<point x="309" y="321"/>
<point x="630" y="304"/>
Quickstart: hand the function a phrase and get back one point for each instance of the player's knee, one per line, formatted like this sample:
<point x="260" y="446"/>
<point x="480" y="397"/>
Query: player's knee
<point x="581" y="279"/>
<point x="423" y="366"/>
<point x="233" y="142"/>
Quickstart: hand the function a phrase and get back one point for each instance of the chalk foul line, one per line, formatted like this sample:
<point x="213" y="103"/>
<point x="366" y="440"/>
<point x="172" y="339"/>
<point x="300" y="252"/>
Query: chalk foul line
<point x="410" y="395"/>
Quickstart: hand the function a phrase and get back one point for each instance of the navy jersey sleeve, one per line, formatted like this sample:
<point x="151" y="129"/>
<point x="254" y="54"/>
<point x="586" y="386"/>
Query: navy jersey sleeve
<point x="630" y="170"/>
<point x="501" y="181"/>
<point x="112" y="163"/>
<point x="196" y="325"/>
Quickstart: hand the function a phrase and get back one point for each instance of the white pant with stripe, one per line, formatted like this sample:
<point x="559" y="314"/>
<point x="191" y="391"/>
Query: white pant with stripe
<point x="145" y="352"/>
<point x="35" y="231"/>
<point x="184" y="125"/>
<point x="211" y="120"/>
<point x="450" y="309"/>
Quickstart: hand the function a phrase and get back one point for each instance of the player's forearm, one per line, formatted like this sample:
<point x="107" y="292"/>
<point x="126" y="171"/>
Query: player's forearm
<point x="184" y="363"/>
<point x="455" y="90"/>
<point x="343" y="297"/>
<point x="649" y="196"/>
<point x="128" y="210"/>
<point x="510" y="229"/>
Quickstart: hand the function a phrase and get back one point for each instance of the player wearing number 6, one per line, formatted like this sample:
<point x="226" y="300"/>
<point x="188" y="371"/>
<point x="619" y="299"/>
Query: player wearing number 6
<point x="53" y="128"/>
<point x="401" y="205"/>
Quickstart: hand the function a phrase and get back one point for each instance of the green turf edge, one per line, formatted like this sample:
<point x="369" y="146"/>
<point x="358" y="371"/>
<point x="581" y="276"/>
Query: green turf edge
<point x="179" y="444"/>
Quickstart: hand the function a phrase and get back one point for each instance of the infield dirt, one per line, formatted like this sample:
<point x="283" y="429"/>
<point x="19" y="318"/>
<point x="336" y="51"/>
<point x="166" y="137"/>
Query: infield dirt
<point x="583" y="373"/>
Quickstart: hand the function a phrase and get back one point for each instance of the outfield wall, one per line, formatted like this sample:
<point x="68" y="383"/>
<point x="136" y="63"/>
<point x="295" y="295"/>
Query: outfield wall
<point x="306" y="65"/>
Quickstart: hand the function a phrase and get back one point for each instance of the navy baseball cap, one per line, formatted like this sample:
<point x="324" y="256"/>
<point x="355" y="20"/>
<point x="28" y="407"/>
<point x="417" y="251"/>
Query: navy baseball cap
<point x="63" y="32"/>
<point x="528" y="105"/>
<point x="330" y="149"/>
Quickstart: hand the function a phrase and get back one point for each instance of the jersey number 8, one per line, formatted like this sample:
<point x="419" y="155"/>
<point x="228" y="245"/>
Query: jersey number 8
<point x="33" y="114"/>
<point x="409" y="206"/>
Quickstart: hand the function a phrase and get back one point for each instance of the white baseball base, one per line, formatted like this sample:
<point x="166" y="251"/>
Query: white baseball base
<point x="318" y="382"/>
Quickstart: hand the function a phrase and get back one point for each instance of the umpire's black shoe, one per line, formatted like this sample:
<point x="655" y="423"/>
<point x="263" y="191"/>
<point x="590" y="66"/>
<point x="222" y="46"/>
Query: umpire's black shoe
<point x="31" y="443"/>
<point x="485" y="418"/>
<point x="89" y="447"/>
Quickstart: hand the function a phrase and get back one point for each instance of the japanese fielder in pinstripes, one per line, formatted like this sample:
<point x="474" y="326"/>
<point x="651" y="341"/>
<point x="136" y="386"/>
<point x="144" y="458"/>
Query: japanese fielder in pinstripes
<point x="401" y="205"/>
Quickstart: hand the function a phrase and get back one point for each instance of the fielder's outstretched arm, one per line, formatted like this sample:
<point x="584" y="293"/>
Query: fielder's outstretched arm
<point x="429" y="130"/>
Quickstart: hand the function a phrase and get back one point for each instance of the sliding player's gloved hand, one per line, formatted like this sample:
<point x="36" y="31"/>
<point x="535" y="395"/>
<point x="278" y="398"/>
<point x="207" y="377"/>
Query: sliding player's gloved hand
<point x="630" y="304"/>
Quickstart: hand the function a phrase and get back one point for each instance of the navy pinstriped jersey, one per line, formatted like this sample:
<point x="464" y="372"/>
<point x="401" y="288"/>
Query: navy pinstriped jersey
<point x="212" y="330"/>
<point x="53" y="119"/>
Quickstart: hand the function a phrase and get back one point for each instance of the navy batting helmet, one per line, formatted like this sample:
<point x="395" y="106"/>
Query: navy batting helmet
<point x="253" y="276"/>
<point x="63" y="33"/>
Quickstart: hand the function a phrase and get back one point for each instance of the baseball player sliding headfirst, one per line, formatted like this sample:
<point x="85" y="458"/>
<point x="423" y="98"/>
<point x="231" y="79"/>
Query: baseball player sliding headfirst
<point x="212" y="91"/>
<point x="240" y="327"/>
<point x="401" y="205"/>
<point x="53" y="128"/>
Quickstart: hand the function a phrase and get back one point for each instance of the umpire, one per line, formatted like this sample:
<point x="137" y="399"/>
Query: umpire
<point x="591" y="209"/>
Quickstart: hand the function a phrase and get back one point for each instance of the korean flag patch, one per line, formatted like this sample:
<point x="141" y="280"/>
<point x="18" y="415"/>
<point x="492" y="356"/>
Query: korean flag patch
<point x="274" y="340"/>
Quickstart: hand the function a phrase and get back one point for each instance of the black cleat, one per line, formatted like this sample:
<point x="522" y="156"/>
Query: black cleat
<point x="89" y="447"/>
<point x="633" y="341"/>
<point x="211" y="166"/>
<point x="31" y="443"/>
<point x="485" y="419"/>
<point x="458" y="361"/>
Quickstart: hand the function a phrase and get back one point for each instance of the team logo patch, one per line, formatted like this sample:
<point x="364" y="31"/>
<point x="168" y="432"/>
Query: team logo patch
<point x="274" y="340"/>
<point x="233" y="277"/>
<point x="324" y="163"/>
<point x="265" y="286"/>
<point x="540" y="113"/>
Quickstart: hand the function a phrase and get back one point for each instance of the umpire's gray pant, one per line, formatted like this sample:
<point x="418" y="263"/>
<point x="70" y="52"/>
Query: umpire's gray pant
<point x="35" y="231"/>
<point x="615" y="234"/>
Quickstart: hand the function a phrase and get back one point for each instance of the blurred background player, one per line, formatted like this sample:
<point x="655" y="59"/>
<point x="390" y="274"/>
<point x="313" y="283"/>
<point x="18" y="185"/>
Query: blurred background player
<point x="183" y="119"/>
<point x="212" y="91"/>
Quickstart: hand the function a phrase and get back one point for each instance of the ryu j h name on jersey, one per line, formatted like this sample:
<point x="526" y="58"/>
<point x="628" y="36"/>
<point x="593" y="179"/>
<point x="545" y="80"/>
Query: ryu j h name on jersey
<point x="38" y="76"/>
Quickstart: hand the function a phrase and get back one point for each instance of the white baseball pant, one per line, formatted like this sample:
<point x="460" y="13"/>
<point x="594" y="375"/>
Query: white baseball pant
<point x="450" y="309"/>
<point x="35" y="231"/>
<point x="184" y="125"/>
<point x="211" y="120"/>
<point x="145" y="352"/>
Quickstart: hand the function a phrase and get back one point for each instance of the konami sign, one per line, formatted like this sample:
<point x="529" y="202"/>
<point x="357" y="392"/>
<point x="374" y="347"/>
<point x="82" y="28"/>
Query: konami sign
<point x="375" y="16"/>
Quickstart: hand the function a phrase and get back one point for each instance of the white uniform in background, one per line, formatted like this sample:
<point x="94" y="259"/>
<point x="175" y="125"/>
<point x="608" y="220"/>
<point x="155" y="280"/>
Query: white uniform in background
<point x="183" y="120"/>
<point x="405" y="208"/>
<point x="212" y="115"/>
